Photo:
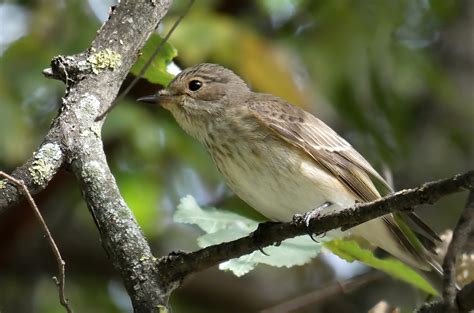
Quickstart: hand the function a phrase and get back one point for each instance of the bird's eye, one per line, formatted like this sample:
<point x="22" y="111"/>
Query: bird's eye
<point x="195" y="85"/>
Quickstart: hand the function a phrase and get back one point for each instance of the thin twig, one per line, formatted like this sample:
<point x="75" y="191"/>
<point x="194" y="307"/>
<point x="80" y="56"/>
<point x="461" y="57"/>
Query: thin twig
<point x="325" y="293"/>
<point x="61" y="264"/>
<point x="461" y="233"/>
<point x="148" y="62"/>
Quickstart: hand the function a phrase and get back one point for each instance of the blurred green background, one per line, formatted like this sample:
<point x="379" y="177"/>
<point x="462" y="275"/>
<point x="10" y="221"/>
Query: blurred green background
<point x="395" y="78"/>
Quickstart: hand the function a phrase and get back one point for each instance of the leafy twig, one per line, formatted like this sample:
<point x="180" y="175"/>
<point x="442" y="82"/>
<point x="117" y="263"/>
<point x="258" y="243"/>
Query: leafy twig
<point x="60" y="282"/>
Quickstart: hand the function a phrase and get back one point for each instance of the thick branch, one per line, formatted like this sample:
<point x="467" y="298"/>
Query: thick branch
<point x="90" y="90"/>
<point x="92" y="80"/>
<point x="180" y="265"/>
<point x="36" y="173"/>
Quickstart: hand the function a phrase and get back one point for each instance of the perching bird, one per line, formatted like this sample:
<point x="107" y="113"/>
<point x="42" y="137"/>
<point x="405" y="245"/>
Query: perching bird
<point x="282" y="160"/>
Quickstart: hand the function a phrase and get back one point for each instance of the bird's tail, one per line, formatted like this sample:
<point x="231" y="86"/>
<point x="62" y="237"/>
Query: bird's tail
<point x="423" y="243"/>
<point x="414" y="244"/>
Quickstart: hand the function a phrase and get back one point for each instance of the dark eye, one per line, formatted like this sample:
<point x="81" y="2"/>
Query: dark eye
<point x="195" y="85"/>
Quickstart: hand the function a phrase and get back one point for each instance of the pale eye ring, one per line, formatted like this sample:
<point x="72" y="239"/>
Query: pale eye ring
<point x="195" y="85"/>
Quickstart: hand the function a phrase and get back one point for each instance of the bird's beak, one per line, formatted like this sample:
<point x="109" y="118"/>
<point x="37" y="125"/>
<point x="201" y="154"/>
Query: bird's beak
<point x="149" y="99"/>
<point x="159" y="98"/>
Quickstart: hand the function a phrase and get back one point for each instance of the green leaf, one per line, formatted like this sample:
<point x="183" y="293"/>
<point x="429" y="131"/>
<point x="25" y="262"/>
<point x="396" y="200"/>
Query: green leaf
<point x="351" y="251"/>
<point x="156" y="72"/>
<point x="222" y="226"/>
<point x="212" y="220"/>
<point x="294" y="251"/>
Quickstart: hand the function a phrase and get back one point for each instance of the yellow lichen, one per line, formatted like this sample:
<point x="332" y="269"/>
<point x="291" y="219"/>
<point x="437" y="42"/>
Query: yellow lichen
<point x="3" y="184"/>
<point x="147" y="258"/>
<point x="105" y="59"/>
<point x="162" y="309"/>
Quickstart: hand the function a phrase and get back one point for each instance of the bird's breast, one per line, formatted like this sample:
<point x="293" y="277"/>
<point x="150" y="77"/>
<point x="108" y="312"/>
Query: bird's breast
<point x="271" y="176"/>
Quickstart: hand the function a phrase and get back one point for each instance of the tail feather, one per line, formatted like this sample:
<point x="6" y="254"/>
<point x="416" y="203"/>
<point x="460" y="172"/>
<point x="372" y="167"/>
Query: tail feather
<point x="423" y="247"/>
<point x="419" y="222"/>
<point x="415" y="249"/>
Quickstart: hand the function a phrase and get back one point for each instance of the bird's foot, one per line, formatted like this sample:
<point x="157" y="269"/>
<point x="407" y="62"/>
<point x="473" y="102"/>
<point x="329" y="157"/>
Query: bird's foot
<point x="259" y="233"/>
<point x="309" y="216"/>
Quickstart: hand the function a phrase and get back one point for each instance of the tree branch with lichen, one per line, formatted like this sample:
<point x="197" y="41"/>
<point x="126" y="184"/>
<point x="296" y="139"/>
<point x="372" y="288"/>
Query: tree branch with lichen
<point x="36" y="173"/>
<point x="92" y="80"/>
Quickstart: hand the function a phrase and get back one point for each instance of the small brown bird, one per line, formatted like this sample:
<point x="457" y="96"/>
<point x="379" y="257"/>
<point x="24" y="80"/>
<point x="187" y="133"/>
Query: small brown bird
<point x="282" y="160"/>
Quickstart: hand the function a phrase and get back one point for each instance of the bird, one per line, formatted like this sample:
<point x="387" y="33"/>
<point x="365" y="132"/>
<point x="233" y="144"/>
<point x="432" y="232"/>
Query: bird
<point x="282" y="160"/>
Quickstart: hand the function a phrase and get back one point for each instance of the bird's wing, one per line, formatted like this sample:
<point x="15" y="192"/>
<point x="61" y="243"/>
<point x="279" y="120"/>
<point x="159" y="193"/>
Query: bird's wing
<point x="329" y="150"/>
<point x="334" y="154"/>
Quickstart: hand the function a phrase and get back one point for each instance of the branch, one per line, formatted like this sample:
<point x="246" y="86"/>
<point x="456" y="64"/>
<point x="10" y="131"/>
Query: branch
<point x="59" y="260"/>
<point x="178" y="266"/>
<point x="464" y="300"/>
<point x="93" y="79"/>
<point x="36" y="173"/>
<point x="460" y="236"/>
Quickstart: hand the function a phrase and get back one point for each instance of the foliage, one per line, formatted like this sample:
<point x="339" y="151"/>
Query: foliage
<point x="157" y="71"/>
<point x="351" y="251"/>
<point x="221" y="226"/>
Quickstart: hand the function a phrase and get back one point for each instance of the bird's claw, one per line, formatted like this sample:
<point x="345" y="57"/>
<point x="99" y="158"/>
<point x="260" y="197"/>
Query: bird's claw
<point x="309" y="216"/>
<point x="262" y="251"/>
<point x="256" y="235"/>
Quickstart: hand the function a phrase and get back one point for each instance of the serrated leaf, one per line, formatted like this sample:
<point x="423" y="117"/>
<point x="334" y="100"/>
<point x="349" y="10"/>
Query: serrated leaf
<point x="240" y="266"/>
<point x="222" y="226"/>
<point x="157" y="71"/>
<point x="222" y="235"/>
<point x="351" y="251"/>
<point x="210" y="220"/>
<point x="292" y="252"/>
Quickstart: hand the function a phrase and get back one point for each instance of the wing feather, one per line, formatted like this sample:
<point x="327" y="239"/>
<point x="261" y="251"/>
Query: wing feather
<point x="330" y="152"/>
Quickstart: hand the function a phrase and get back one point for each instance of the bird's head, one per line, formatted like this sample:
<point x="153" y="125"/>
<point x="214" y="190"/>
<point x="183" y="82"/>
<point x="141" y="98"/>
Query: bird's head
<point x="199" y="95"/>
